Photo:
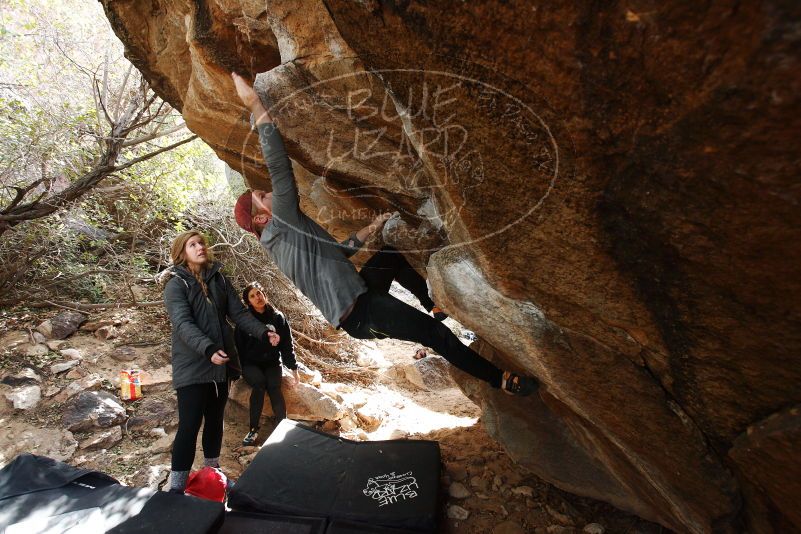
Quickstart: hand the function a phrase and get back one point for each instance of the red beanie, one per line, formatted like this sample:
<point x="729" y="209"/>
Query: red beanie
<point x="208" y="483"/>
<point x="243" y="210"/>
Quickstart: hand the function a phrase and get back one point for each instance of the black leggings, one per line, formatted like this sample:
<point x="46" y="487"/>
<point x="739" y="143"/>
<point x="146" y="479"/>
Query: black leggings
<point x="377" y="314"/>
<point x="260" y="379"/>
<point x="199" y="403"/>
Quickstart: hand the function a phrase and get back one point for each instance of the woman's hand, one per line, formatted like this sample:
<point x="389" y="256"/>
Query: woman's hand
<point x="295" y="378"/>
<point x="219" y="358"/>
<point x="274" y="338"/>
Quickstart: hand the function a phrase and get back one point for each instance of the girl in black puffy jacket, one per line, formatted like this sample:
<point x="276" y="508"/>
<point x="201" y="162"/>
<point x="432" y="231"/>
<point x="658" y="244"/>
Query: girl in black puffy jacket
<point x="261" y="363"/>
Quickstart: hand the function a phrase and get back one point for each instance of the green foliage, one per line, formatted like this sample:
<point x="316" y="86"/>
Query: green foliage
<point x="47" y="113"/>
<point x="122" y="228"/>
<point x="51" y="129"/>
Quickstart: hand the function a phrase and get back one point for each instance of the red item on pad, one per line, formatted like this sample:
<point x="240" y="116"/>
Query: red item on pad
<point x="208" y="483"/>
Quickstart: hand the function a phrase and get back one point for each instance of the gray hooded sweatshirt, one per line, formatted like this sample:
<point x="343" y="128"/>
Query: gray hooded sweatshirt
<point x="302" y="249"/>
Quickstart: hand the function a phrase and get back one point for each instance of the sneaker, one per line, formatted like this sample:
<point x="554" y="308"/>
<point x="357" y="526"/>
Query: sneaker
<point x="250" y="439"/>
<point x="439" y="315"/>
<point x="520" y="385"/>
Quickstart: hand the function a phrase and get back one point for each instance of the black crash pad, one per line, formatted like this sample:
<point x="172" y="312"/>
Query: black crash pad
<point x="41" y="494"/>
<point x="301" y="471"/>
<point x="352" y="527"/>
<point x="251" y="523"/>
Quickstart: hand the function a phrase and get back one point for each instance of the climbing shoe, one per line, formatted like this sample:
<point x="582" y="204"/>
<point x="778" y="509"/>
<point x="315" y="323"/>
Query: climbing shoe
<point x="250" y="439"/>
<point x="439" y="315"/>
<point x="515" y="384"/>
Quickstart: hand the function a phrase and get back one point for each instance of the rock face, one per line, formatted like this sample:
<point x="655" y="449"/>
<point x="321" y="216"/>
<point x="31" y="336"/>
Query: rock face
<point x="93" y="409"/>
<point x="63" y="366"/>
<point x="430" y="373"/>
<point x="58" y="444"/>
<point x="92" y="382"/>
<point x="151" y="413"/>
<point x="25" y="397"/>
<point x="62" y="325"/>
<point x="26" y="377"/>
<point x="103" y="440"/>
<point x="370" y="416"/>
<point x="606" y="194"/>
<point x="123" y="353"/>
<point x="768" y="455"/>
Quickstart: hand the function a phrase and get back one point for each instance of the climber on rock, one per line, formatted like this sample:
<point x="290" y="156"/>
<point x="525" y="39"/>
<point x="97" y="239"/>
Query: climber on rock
<point x="359" y="303"/>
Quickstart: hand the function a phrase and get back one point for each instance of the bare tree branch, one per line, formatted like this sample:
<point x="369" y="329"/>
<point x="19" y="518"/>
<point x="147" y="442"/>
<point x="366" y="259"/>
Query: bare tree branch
<point x="69" y="58"/>
<point x="80" y="306"/>
<point x="21" y="192"/>
<point x="138" y="122"/>
<point x="13" y="273"/>
<point x="320" y="341"/>
<point x="154" y="153"/>
<point x="225" y="242"/>
<point x="98" y="91"/>
<point x="155" y="135"/>
<point x="121" y="91"/>
<point x="104" y="94"/>
<point x="107" y="165"/>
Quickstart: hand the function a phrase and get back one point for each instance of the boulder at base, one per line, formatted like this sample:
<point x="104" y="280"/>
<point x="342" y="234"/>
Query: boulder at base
<point x="303" y="401"/>
<point x="56" y="443"/>
<point x="93" y="409"/>
<point x="62" y="325"/>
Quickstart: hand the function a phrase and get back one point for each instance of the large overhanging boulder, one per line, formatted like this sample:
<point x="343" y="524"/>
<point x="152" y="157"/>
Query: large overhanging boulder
<point x="607" y="194"/>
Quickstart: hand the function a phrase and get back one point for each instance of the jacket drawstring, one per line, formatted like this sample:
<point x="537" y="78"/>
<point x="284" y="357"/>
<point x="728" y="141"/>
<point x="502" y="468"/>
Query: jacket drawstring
<point x="216" y="391"/>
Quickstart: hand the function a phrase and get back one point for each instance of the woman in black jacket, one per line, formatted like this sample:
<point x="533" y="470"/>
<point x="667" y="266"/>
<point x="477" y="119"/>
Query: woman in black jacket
<point x="200" y="301"/>
<point x="261" y="363"/>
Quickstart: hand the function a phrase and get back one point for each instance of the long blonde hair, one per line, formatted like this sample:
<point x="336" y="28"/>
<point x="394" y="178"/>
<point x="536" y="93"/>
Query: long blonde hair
<point x="178" y="254"/>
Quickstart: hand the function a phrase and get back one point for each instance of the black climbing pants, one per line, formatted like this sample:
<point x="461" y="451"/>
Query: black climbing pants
<point x="389" y="264"/>
<point x="199" y="403"/>
<point x="379" y="315"/>
<point x="261" y="379"/>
